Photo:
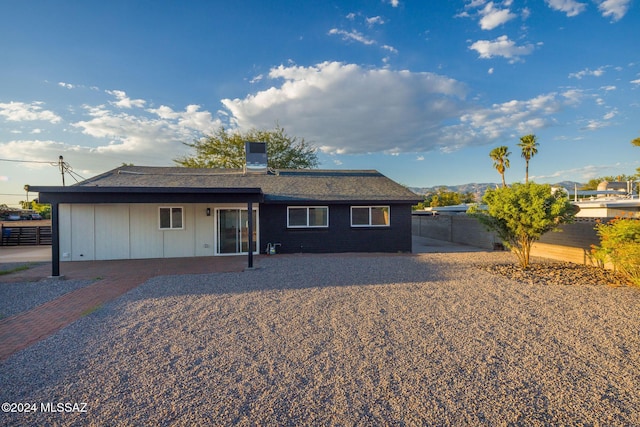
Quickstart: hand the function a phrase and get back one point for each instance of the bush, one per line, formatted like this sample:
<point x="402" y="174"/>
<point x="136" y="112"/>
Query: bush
<point x="520" y="214"/>
<point x="620" y="244"/>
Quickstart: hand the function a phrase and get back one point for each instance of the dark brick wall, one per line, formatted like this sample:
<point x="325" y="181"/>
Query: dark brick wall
<point x="340" y="236"/>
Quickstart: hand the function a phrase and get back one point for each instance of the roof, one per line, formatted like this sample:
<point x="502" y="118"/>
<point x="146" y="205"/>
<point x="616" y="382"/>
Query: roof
<point x="301" y="185"/>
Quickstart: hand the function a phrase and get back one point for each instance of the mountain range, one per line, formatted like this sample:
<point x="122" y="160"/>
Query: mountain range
<point x="478" y="189"/>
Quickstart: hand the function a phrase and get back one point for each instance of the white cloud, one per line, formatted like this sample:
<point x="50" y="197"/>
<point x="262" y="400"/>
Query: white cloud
<point x="389" y="48"/>
<point x="503" y="47"/>
<point x="394" y="3"/>
<point x="474" y="4"/>
<point x="359" y="37"/>
<point x="610" y="115"/>
<point x="66" y="85"/>
<point x="344" y="108"/>
<point x="21" y="112"/>
<point x="570" y="7"/>
<point x="111" y="137"/>
<point x="593" y="125"/>
<point x="374" y="20"/>
<point x="124" y="101"/>
<point x="615" y="9"/>
<point x="635" y="82"/>
<point x="351" y="36"/>
<point x="588" y="72"/>
<point x="493" y="17"/>
<point x="500" y="121"/>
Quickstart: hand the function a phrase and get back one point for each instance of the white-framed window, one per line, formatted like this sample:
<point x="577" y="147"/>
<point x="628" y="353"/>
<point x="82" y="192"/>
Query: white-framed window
<point x="370" y="216"/>
<point x="307" y="216"/>
<point x="170" y="218"/>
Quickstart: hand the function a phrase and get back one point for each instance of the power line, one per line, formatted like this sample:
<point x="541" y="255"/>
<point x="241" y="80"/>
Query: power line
<point x="26" y="161"/>
<point x="64" y="167"/>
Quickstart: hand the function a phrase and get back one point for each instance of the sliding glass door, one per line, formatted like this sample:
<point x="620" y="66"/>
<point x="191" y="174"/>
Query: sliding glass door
<point x="232" y="230"/>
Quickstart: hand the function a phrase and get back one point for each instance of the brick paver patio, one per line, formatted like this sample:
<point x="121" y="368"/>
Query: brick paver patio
<point x="113" y="278"/>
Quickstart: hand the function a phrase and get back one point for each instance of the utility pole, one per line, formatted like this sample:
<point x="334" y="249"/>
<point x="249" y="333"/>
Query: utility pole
<point x="61" y="165"/>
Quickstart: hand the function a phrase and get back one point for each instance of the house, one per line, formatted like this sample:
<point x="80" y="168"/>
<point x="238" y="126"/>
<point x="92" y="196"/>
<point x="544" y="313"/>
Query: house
<point x="135" y="212"/>
<point x="611" y="199"/>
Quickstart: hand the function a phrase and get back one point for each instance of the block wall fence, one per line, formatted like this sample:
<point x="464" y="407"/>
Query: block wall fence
<point x="572" y="243"/>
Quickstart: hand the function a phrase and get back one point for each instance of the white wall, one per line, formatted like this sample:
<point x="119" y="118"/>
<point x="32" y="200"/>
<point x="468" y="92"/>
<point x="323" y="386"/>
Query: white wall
<point x="131" y="231"/>
<point x="111" y="230"/>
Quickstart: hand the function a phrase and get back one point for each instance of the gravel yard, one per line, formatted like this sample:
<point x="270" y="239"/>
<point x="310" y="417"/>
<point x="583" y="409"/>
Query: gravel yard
<point x="430" y="339"/>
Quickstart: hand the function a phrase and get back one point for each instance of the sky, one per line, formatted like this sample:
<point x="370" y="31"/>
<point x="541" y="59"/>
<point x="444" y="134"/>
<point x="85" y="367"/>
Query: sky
<point x="421" y="91"/>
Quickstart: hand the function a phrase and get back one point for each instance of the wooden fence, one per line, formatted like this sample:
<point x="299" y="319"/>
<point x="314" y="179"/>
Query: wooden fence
<point x="23" y="235"/>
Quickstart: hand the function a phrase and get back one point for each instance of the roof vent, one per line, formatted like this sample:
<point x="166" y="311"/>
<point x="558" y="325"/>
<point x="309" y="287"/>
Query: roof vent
<point x="256" y="156"/>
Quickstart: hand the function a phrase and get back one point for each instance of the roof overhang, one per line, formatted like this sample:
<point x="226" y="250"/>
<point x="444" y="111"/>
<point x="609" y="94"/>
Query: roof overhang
<point x="86" y="194"/>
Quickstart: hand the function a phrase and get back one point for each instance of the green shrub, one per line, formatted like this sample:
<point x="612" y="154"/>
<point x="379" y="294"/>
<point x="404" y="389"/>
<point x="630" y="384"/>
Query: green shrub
<point x="620" y="244"/>
<point x="520" y="214"/>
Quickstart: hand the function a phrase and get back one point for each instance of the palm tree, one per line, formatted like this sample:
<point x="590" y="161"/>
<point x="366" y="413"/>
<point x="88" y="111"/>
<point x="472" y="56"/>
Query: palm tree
<point x="529" y="149"/>
<point x="500" y="160"/>
<point x="636" y="142"/>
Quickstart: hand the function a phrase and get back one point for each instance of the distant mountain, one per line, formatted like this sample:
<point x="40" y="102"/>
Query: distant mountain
<point x="480" y="188"/>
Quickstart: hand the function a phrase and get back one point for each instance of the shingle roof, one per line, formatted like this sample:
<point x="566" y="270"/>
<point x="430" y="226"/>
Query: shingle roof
<point x="284" y="185"/>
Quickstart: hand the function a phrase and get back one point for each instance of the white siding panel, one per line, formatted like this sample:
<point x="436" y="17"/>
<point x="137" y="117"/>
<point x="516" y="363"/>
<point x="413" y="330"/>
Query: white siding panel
<point x="82" y="233"/>
<point x="64" y="224"/>
<point x="181" y="243"/>
<point x="112" y="231"/>
<point x="146" y="240"/>
<point x="204" y="230"/>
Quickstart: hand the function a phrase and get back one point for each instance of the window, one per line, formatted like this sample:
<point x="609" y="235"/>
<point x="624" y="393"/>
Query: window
<point x="307" y="216"/>
<point x="370" y="216"/>
<point x="171" y="219"/>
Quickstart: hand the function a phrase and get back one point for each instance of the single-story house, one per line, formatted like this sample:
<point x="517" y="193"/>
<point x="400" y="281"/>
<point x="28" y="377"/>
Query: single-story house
<point x="135" y="212"/>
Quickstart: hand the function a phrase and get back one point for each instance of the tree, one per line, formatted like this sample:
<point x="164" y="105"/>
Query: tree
<point x="529" y="148"/>
<point x="44" y="209"/>
<point x="225" y="149"/>
<point x="593" y="183"/>
<point x="520" y="214"/>
<point x="500" y="156"/>
<point x="444" y="197"/>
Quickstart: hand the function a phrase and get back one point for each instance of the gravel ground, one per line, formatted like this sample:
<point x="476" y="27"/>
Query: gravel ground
<point x="429" y="339"/>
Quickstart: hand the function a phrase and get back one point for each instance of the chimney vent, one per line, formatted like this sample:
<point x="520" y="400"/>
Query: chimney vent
<point x="256" y="156"/>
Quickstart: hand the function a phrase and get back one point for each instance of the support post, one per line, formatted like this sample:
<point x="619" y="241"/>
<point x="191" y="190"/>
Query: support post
<point x="250" y="234"/>
<point x="55" y="240"/>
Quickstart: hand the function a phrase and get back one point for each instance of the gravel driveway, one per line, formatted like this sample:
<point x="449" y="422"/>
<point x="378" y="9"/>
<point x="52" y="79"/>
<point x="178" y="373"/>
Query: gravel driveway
<point x="362" y="340"/>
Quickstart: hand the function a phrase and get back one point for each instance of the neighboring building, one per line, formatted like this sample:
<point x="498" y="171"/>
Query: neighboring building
<point x="611" y="199"/>
<point x="137" y="212"/>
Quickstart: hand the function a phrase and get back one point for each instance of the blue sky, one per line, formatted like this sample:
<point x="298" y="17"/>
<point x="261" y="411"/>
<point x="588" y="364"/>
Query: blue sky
<point x="419" y="90"/>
